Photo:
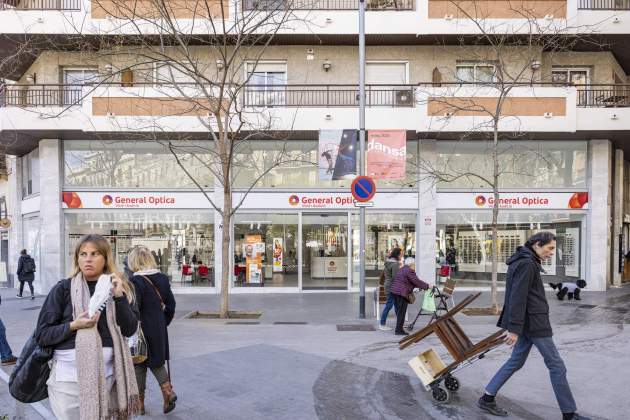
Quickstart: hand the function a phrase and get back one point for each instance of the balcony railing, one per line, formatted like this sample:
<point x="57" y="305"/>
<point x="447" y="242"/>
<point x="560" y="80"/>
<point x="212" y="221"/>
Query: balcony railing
<point x="398" y="5"/>
<point x="603" y="96"/>
<point x="328" y="96"/>
<point x="63" y="5"/>
<point x="604" y="4"/>
<point x="40" y="95"/>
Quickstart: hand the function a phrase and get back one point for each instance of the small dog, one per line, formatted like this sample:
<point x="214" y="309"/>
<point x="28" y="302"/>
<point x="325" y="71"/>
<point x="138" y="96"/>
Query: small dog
<point x="571" y="290"/>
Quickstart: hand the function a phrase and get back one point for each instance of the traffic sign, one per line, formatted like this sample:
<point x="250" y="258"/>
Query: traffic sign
<point x="363" y="188"/>
<point x="363" y="204"/>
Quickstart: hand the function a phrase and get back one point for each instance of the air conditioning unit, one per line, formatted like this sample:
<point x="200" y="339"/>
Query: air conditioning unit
<point x="404" y="97"/>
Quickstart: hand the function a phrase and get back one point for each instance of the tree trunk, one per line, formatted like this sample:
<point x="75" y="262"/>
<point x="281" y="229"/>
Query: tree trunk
<point x="495" y="217"/>
<point x="225" y="254"/>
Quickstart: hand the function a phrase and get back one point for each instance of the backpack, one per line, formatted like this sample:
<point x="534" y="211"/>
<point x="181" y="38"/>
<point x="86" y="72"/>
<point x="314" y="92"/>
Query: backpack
<point x="29" y="265"/>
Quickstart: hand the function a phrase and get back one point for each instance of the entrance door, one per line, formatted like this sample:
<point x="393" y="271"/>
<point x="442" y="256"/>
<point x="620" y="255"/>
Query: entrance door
<point x="73" y="79"/>
<point x="324" y="251"/>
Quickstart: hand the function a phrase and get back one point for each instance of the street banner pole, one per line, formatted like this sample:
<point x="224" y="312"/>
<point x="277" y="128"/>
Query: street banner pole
<point x="362" y="168"/>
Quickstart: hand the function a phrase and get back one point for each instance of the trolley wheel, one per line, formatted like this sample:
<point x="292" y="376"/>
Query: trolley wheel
<point x="451" y="383"/>
<point x="440" y="394"/>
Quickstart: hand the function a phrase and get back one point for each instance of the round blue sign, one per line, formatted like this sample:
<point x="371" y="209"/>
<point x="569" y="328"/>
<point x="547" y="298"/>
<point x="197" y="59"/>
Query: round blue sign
<point x="363" y="188"/>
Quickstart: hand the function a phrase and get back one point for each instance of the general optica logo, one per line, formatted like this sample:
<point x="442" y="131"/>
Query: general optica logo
<point x="107" y="200"/>
<point x="294" y="200"/>
<point x="480" y="200"/>
<point x="578" y="200"/>
<point x="72" y="200"/>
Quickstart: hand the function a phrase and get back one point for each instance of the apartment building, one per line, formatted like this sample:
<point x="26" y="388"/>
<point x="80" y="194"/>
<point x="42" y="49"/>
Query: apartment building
<point x="88" y="120"/>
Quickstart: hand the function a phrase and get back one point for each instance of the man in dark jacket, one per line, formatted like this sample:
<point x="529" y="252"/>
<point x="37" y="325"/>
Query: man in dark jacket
<point x="26" y="272"/>
<point x="525" y="316"/>
<point x="6" y="354"/>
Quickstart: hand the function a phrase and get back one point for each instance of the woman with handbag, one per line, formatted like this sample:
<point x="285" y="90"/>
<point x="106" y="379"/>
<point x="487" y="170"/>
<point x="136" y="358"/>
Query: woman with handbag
<point x="402" y="290"/>
<point x="156" y="304"/>
<point x="92" y="374"/>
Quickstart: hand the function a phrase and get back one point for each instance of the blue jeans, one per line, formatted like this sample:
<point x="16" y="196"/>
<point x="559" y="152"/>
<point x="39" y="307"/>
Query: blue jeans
<point x="5" y="350"/>
<point x="553" y="361"/>
<point x="388" y="306"/>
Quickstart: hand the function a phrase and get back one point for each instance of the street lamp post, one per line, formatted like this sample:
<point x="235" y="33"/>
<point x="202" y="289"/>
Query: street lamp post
<point x="362" y="168"/>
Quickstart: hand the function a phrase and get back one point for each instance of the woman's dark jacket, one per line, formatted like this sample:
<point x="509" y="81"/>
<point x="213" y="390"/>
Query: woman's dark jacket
<point x="53" y="325"/>
<point x="153" y="320"/>
<point x="525" y="310"/>
<point x="22" y="276"/>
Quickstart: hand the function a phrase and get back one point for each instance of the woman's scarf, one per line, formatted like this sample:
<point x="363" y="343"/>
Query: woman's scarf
<point x="94" y="398"/>
<point x="148" y="272"/>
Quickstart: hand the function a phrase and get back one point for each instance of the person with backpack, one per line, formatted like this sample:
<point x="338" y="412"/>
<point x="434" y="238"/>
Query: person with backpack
<point x="26" y="272"/>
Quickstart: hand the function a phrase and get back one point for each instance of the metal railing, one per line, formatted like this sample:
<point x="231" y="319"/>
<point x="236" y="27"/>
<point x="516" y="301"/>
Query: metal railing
<point x="271" y="5"/>
<point x="40" y="95"/>
<point x="328" y="96"/>
<point x="604" y="4"/>
<point x="603" y="96"/>
<point x="63" y="5"/>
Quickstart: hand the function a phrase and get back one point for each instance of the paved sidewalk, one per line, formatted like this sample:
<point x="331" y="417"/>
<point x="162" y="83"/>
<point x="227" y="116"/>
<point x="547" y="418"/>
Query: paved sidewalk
<point x="238" y="370"/>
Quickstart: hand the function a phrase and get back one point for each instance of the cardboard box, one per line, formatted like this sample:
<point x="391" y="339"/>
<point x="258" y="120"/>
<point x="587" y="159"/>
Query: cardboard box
<point x="427" y="365"/>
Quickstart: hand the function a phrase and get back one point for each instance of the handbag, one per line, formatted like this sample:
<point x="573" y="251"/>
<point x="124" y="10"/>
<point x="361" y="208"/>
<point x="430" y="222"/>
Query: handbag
<point x="138" y="346"/>
<point x="411" y="298"/>
<point x="27" y="382"/>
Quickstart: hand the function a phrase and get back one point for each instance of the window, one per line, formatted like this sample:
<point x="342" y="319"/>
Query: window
<point x="263" y="80"/>
<point x="166" y="73"/>
<point x="30" y="173"/>
<point x="579" y="77"/>
<point x="80" y="76"/>
<point x="475" y="73"/>
<point x="386" y="73"/>
<point x="140" y="164"/>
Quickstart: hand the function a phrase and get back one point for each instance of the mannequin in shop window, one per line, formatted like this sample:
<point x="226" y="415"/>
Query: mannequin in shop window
<point x="203" y="270"/>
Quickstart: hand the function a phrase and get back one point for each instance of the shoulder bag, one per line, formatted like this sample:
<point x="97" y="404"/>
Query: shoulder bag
<point x="27" y="383"/>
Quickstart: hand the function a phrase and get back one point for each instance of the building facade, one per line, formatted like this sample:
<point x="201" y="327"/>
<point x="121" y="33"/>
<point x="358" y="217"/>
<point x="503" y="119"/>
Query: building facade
<point x="563" y="169"/>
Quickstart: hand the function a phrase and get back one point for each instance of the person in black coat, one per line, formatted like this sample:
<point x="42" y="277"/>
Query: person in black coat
<point x="26" y="272"/>
<point x="156" y="304"/>
<point x="525" y="316"/>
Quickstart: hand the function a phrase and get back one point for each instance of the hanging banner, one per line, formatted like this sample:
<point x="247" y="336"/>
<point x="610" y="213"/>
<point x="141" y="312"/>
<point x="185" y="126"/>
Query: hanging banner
<point x="253" y="258"/>
<point x="277" y="254"/>
<point x="337" y="154"/>
<point x="386" y="154"/>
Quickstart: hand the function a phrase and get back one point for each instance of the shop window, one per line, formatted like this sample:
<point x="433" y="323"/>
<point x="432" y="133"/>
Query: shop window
<point x="266" y="250"/>
<point x="30" y="173"/>
<point x="464" y="241"/>
<point x="182" y="243"/>
<point x="139" y="164"/>
<point x="533" y="164"/>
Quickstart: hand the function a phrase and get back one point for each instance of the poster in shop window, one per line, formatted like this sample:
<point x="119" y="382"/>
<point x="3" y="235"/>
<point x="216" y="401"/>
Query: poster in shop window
<point x="277" y="254"/>
<point x="253" y="258"/>
<point x="337" y="154"/>
<point x="386" y="154"/>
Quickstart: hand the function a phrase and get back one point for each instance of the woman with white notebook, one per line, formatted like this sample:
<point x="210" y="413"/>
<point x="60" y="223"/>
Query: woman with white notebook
<point x="85" y="319"/>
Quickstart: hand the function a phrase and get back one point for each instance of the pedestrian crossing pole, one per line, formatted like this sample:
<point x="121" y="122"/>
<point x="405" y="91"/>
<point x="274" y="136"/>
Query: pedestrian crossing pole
<point x="362" y="168"/>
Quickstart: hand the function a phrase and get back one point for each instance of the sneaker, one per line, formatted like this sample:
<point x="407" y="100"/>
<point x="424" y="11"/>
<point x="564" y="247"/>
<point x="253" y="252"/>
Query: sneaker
<point x="384" y="328"/>
<point x="32" y="297"/>
<point x="20" y="296"/>
<point x="401" y="333"/>
<point x="10" y="361"/>
<point x="576" y="416"/>
<point x="492" y="408"/>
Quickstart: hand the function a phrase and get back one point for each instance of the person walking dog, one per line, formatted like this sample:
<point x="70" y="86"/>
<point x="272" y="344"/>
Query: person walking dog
<point x="26" y="272"/>
<point x="525" y="316"/>
<point x="156" y="304"/>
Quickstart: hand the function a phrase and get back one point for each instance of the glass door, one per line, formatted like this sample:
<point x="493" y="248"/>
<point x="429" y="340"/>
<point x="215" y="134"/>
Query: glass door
<point x="324" y="251"/>
<point x="73" y="79"/>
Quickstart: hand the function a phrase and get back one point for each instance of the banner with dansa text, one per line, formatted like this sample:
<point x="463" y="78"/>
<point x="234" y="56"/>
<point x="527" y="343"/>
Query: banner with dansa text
<point x="386" y="154"/>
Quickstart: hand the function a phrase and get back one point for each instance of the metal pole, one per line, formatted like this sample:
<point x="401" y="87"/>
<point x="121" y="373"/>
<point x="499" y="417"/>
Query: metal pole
<point x="362" y="155"/>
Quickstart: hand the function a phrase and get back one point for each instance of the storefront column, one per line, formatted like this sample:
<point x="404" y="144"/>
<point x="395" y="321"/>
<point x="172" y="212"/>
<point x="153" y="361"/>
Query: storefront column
<point x="598" y="241"/>
<point x="14" y="208"/>
<point x="51" y="178"/>
<point x="427" y="213"/>
<point x="617" y="217"/>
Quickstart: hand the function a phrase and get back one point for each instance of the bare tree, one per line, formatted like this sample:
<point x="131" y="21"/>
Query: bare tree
<point x="503" y="57"/>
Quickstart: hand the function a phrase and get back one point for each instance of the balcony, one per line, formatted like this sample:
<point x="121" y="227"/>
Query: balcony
<point x="604" y="5"/>
<point x="370" y="5"/>
<point x="56" y="5"/>
<point x="27" y="96"/>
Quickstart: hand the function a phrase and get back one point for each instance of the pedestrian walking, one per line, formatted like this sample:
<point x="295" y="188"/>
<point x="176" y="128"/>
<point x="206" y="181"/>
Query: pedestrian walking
<point x="6" y="355"/>
<point x="92" y="375"/>
<point x="402" y="287"/>
<point x="525" y="316"/>
<point x="26" y="272"/>
<point x="156" y="305"/>
<point x="392" y="265"/>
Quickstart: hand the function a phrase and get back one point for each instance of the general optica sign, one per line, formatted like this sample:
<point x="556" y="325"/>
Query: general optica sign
<point x="133" y="200"/>
<point x="531" y="201"/>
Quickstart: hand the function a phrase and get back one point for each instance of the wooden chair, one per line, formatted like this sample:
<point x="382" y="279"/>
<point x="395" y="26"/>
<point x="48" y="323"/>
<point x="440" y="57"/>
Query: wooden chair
<point x="453" y="337"/>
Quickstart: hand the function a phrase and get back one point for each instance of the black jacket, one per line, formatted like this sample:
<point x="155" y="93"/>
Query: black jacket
<point x="153" y="320"/>
<point x="525" y="310"/>
<point x="22" y="276"/>
<point x="53" y="324"/>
